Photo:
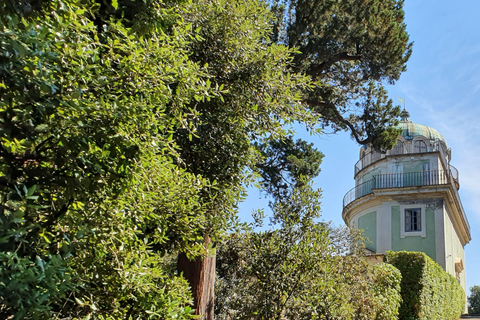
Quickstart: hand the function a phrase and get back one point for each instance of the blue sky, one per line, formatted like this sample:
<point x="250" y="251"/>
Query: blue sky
<point x="441" y="88"/>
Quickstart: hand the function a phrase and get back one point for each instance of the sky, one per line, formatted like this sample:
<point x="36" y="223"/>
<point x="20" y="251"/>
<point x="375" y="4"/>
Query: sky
<point x="441" y="88"/>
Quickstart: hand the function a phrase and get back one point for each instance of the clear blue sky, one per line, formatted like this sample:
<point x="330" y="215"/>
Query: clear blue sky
<point x="441" y="88"/>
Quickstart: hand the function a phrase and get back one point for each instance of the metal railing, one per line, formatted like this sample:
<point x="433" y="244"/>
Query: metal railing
<point x="374" y="156"/>
<point x="398" y="180"/>
<point x="358" y="191"/>
<point x="367" y="160"/>
<point x="454" y="173"/>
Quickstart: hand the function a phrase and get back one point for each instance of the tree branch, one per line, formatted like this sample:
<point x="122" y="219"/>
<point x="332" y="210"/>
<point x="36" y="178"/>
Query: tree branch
<point x="340" y="118"/>
<point x="41" y="144"/>
<point x="316" y="69"/>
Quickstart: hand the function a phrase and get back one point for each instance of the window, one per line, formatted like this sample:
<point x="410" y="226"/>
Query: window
<point x="419" y="146"/>
<point x="398" y="148"/>
<point x="413" y="220"/>
<point x="458" y="269"/>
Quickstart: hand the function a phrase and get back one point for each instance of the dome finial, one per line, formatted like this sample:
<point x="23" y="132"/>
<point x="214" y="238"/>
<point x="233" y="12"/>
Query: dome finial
<point x="404" y="115"/>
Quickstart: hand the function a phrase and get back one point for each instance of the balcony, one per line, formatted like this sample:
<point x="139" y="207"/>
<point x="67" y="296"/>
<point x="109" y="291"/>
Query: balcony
<point x="402" y="180"/>
<point x="367" y="160"/>
<point x="398" y="150"/>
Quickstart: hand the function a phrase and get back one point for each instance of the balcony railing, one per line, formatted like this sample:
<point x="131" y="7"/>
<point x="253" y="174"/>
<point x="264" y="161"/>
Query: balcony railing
<point x="367" y="160"/>
<point x="398" y="180"/>
<point x="454" y="173"/>
<point x="374" y="156"/>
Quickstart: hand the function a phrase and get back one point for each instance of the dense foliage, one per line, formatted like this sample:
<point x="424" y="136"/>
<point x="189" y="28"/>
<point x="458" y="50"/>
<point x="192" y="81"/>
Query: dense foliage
<point x="425" y="288"/>
<point x="129" y="129"/>
<point x="85" y="150"/>
<point x="474" y="300"/>
<point x="348" y="48"/>
<point x="297" y="272"/>
<point x="387" y="286"/>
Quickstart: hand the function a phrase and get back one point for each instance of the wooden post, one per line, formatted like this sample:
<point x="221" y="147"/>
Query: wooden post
<point x="200" y="274"/>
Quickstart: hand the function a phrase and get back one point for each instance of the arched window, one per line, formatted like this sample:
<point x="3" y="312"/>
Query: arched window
<point x="419" y="146"/>
<point x="398" y="148"/>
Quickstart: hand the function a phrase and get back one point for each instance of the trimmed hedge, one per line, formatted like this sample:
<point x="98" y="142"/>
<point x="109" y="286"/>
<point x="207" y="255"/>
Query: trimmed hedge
<point x="428" y="292"/>
<point x="386" y="289"/>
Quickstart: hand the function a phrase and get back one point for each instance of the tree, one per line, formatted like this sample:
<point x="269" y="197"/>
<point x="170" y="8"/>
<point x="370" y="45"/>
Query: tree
<point x="348" y="49"/>
<point x="320" y="63"/>
<point x="474" y="300"/>
<point x="300" y="269"/>
<point x="259" y="98"/>
<point x="122" y="101"/>
<point x="84" y="151"/>
<point x="296" y="272"/>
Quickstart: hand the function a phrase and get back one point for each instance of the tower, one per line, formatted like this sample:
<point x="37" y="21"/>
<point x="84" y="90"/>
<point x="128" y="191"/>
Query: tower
<point x="407" y="199"/>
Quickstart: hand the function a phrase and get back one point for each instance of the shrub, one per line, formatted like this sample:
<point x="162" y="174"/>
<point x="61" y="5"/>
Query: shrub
<point x="386" y="288"/>
<point x="428" y="292"/>
<point x="295" y="273"/>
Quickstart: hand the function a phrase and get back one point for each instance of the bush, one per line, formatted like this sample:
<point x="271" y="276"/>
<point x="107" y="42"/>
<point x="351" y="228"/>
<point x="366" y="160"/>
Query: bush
<point x="428" y="292"/>
<point x="296" y="273"/>
<point x="386" y="288"/>
<point x="474" y="300"/>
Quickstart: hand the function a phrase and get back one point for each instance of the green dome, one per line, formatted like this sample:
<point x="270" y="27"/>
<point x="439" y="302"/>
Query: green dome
<point x="410" y="130"/>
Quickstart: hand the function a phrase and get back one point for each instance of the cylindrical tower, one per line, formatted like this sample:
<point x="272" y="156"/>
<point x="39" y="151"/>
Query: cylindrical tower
<point x="407" y="199"/>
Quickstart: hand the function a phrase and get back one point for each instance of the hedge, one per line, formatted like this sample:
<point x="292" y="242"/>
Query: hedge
<point x="428" y="292"/>
<point x="386" y="289"/>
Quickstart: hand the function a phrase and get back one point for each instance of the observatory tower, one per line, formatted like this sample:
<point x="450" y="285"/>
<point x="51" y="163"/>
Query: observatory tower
<point x="407" y="199"/>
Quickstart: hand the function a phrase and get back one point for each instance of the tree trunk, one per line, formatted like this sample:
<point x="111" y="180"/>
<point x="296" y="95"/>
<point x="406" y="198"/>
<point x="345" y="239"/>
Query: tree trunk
<point x="200" y="273"/>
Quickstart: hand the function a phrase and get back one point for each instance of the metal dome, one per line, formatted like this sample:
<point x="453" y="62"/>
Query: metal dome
<point x="410" y="130"/>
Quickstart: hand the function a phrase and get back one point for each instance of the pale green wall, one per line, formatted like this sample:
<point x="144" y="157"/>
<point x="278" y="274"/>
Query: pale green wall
<point x="414" y="243"/>
<point x="414" y="166"/>
<point x="453" y="249"/>
<point x="449" y="248"/>
<point x="368" y="223"/>
<point x="369" y="175"/>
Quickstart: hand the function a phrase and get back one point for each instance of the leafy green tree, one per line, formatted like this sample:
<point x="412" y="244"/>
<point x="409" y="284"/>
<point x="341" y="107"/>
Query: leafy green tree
<point x="320" y="63"/>
<point x="84" y="151"/>
<point x="285" y="162"/>
<point x="259" y="99"/>
<point x="129" y="129"/>
<point x="302" y="269"/>
<point x="296" y="272"/>
<point x="348" y="49"/>
<point x="474" y="300"/>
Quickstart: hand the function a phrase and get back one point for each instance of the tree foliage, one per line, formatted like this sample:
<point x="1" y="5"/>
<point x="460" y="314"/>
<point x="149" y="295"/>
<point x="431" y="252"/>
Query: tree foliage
<point x="348" y="49"/>
<point x="259" y="99"/>
<point x="84" y="150"/>
<point x="130" y="128"/>
<point x="297" y="272"/>
<point x="474" y="300"/>
<point x="285" y="163"/>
